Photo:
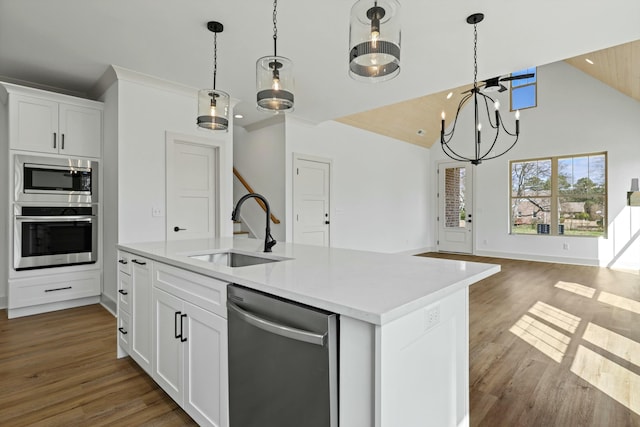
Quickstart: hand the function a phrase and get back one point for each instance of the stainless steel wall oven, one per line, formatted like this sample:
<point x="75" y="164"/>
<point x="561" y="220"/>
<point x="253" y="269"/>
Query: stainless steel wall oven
<point x="53" y="236"/>
<point x="48" y="179"/>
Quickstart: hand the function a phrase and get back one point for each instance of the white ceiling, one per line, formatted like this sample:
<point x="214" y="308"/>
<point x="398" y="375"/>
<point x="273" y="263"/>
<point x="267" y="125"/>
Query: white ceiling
<point x="69" y="44"/>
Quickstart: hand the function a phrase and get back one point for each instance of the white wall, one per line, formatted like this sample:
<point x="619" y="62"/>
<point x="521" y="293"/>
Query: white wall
<point x="5" y="206"/>
<point x="576" y="114"/>
<point x="258" y="154"/>
<point x="381" y="193"/>
<point x="145" y="109"/>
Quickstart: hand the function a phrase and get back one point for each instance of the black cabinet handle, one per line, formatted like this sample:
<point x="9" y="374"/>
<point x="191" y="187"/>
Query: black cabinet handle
<point x="54" y="140"/>
<point x="175" y="325"/>
<point x="326" y="222"/>
<point x="182" y="337"/>
<point x="176" y="229"/>
<point x="123" y="292"/>
<point x="122" y="331"/>
<point x="62" y="143"/>
<point x="138" y="262"/>
<point x="58" y="289"/>
<point x="123" y="261"/>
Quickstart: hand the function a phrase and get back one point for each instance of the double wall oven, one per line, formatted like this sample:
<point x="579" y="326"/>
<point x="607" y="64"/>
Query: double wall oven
<point x="55" y="212"/>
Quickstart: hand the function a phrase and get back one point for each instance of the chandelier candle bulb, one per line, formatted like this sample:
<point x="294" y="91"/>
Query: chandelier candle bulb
<point x="517" y="122"/>
<point x="442" y="130"/>
<point x="479" y="129"/>
<point x="497" y="106"/>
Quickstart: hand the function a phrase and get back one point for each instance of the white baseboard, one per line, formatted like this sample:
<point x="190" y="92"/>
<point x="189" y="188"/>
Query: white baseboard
<point x="417" y="251"/>
<point x="54" y="306"/>
<point x="540" y="258"/>
<point x="110" y="305"/>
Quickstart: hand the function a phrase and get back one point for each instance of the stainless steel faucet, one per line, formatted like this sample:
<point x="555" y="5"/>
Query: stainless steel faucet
<point x="269" y="241"/>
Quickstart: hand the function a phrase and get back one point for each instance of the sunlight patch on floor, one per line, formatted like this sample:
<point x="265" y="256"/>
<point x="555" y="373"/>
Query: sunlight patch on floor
<point x="614" y="343"/>
<point x="612" y="379"/>
<point x="555" y="316"/>
<point x="620" y="302"/>
<point x="544" y="338"/>
<point x="576" y="288"/>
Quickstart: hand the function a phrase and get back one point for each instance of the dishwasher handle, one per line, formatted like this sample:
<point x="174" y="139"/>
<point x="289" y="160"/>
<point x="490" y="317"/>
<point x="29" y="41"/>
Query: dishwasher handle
<point x="278" y="329"/>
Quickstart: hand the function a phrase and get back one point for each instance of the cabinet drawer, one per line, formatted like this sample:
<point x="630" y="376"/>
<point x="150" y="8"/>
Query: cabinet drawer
<point x="202" y="291"/>
<point x="124" y="331"/>
<point x="124" y="262"/>
<point x="124" y="292"/>
<point x="47" y="289"/>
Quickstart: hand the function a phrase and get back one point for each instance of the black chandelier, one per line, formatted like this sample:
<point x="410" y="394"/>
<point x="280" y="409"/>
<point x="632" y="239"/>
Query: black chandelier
<point x="481" y="152"/>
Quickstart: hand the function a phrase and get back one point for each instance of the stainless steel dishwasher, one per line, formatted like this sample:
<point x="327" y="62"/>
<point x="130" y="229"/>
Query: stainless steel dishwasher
<point x="283" y="362"/>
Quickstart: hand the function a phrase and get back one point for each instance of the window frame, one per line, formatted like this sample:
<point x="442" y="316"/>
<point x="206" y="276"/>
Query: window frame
<point x="555" y="194"/>
<point x="534" y="84"/>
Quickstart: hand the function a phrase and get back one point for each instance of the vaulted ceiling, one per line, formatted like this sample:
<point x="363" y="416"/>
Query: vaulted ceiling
<point x="68" y="45"/>
<point x="417" y="121"/>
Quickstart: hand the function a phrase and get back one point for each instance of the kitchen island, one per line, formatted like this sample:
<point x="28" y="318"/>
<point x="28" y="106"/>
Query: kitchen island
<point x="403" y="343"/>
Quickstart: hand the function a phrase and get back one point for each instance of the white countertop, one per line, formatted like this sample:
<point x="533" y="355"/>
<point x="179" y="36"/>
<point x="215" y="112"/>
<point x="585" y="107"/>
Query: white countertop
<point x="369" y="286"/>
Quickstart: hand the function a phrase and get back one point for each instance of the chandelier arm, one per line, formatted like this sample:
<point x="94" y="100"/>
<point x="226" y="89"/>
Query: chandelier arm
<point x="505" y="151"/>
<point x="460" y="157"/>
<point x="455" y="121"/>
<point x="486" y="104"/>
<point x="495" y="139"/>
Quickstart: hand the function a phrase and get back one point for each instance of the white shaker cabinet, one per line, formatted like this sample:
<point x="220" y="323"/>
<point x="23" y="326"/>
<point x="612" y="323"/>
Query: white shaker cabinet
<point x="46" y="125"/>
<point x="141" y="329"/>
<point x="190" y="361"/>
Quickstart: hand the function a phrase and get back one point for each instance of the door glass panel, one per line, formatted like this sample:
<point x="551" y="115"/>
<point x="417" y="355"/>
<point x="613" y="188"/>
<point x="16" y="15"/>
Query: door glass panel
<point x="454" y="208"/>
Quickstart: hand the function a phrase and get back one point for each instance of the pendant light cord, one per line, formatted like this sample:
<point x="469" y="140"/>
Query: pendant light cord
<point x="275" y="28"/>
<point x="215" y="58"/>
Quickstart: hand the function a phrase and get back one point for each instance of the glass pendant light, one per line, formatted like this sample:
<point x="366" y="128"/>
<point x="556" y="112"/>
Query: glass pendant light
<point x="274" y="78"/>
<point x="374" y="40"/>
<point x="213" y="104"/>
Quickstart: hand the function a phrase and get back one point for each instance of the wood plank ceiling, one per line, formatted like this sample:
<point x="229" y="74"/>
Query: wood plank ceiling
<point x="417" y="121"/>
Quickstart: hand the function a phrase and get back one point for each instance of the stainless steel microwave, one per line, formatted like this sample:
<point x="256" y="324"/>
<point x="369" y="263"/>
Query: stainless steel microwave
<point x="51" y="179"/>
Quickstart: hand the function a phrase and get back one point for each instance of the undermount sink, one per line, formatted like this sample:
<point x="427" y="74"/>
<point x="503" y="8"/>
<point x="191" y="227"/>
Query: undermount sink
<point x="234" y="259"/>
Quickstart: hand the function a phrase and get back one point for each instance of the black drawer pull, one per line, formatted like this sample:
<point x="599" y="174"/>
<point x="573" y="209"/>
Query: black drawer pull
<point x="138" y="262"/>
<point x="62" y="145"/>
<point x="58" y="289"/>
<point x="182" y="337"/>
<point x="123" y="292"/>
<point x="122" y="331"/>
<point x="122" y="261"/>
<point x="175" y="325"/>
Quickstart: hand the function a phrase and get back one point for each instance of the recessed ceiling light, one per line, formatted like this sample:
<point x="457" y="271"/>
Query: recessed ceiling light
<point x="589" y="61"/>
<point x="238" y="116"/>
<point x="449" y="95"/>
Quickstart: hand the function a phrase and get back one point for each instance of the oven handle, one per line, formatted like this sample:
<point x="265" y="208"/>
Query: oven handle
<point x="55" y="218"/>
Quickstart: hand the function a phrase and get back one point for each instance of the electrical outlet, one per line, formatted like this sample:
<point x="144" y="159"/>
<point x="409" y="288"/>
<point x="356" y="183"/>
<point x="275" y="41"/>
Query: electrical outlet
<point x="431" y="317"/>
<point x="156" y="211"/>
<point x="565" y="246"/>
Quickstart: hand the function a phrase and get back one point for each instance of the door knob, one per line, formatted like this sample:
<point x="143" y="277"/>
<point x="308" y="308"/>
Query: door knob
<point x="326" y="222"/>
<point x="176" y="229"/>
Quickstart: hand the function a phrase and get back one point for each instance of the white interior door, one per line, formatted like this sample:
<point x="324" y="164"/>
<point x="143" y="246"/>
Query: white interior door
<point x="455" y="207"/>
<point x="311" y="196"/>
<point x="191" y="189"/>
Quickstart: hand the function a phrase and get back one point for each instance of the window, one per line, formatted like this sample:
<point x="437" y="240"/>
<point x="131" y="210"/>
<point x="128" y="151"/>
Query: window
<point x="559" y="195"/>
<point x="524" y="92"/>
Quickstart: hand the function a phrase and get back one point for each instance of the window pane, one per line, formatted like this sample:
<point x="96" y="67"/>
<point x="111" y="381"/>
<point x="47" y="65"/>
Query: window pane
<point x="531" y="215"/>
<point x="521" y="82"/>
<point x="582" y="175"/>
<point x="454" y="212"/>
<point x="531" y="178"/>
<point x="523" y="97"/>
<point x="582" y="216"/>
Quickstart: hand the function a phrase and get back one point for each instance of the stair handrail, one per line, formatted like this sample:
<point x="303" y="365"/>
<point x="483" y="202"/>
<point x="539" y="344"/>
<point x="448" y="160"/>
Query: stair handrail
<point x="250" y="190"/>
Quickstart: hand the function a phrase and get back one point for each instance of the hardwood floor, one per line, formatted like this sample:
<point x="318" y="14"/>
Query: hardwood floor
<point x="550" y="345"/>
<point x="554" y="345"/>
<point x="60" y="369"/>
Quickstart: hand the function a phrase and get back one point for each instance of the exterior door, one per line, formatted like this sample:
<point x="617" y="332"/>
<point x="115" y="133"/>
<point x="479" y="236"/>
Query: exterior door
<point x="455" y="208"/>
<point x="191" y="189"/>
<point x="311" y="196"/>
